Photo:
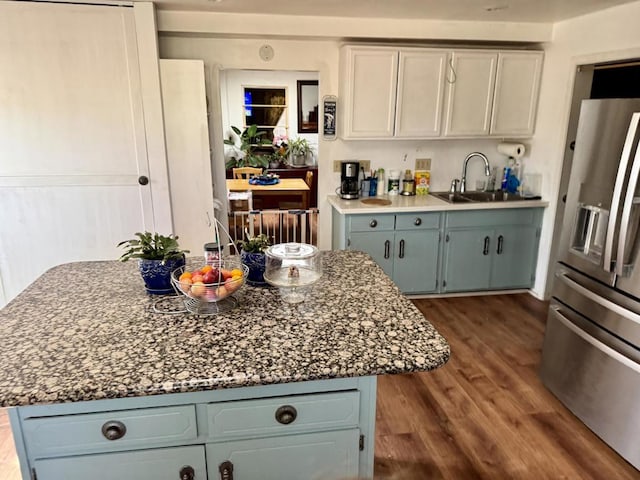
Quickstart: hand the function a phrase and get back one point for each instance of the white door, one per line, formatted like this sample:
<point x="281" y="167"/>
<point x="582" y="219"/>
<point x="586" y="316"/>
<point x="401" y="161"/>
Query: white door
<point x="184" y="105"/>
<point x="421" y="81"/>
<point x="72" y="138"/>
<point x="470" y="97"/>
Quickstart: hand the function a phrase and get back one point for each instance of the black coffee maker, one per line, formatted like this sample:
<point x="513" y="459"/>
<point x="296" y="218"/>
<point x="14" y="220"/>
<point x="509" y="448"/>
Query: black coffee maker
<point x="349" y="180"/>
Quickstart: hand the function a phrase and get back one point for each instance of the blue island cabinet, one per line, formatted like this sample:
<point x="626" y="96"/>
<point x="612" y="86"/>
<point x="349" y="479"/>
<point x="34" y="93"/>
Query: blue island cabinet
<point x="405" y="245"/>
<point x="291" y="431"/>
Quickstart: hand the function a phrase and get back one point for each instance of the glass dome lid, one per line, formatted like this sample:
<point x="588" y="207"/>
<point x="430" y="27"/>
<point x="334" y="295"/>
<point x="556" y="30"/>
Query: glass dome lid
<point x="292" y="251"/>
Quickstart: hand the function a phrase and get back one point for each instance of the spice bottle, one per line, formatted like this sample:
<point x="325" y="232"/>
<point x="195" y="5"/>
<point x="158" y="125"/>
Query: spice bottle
<point x="213" y="253"/>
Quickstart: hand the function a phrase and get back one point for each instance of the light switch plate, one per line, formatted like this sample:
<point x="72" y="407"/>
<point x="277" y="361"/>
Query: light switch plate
<point x="423" y="164"/>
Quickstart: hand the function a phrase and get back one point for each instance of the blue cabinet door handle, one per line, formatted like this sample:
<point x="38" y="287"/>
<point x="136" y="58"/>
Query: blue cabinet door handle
<point x="485" y="250"/>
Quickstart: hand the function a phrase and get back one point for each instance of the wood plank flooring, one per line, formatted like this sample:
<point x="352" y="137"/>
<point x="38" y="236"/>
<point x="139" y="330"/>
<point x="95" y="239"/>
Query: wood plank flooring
<point x="484" y="415"/>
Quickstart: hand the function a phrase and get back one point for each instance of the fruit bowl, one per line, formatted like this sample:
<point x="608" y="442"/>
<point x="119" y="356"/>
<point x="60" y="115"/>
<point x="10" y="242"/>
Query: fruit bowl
<point x="208" y="289"/>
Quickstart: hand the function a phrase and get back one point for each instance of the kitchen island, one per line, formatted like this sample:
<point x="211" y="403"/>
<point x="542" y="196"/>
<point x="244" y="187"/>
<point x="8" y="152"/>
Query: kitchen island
<point x="103" y="375"/>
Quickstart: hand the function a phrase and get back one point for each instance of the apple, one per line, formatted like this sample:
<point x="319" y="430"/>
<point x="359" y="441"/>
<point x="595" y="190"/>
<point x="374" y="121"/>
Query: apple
<point x="232" y="285"/>
<point x="208" y="278"/>
<point x="198" y="289"/>
<point x="221" y="291"/>
<point x="197" y="278"/>
<point x="226" y="274"/>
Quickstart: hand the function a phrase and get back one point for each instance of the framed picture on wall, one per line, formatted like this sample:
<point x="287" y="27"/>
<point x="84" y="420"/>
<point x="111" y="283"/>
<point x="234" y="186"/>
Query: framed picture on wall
<point x="307" y="106"/>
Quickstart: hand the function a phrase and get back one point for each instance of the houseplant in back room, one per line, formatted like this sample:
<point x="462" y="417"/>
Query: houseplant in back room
<point x="244" y="148"/>
<point x="299" y="150"/>
<point x="158" y="256"/>
<point x="253" y="256"/>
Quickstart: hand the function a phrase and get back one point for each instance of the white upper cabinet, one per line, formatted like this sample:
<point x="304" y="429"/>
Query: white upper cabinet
<point x="421" y="93"/>
<point x="368" y="91"/>
<point x="516" y="93"/>
<point x="470" y="97"/>
<point x="421" y="81"/>
<point x="392" y="93"/>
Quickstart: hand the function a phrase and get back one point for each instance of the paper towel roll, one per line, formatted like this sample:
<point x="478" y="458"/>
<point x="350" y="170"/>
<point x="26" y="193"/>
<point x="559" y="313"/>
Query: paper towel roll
<point x="515" y="150"/>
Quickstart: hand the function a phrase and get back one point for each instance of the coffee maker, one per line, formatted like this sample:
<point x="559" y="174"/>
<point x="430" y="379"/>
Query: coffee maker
<point x="349" y="182"/>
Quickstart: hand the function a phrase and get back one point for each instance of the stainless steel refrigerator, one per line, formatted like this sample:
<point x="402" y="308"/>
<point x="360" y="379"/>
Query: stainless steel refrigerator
<point x="591" y="351"/>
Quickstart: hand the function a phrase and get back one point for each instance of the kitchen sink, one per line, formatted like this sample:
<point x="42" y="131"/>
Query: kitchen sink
<point x="468" y="197"/>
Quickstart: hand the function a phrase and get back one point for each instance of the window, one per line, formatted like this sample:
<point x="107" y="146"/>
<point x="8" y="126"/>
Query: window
<point x="266" y="107"/>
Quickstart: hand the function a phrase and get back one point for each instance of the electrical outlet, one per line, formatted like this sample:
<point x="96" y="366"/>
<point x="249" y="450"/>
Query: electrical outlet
<point x="423" y="164"/>
<point x="366" y="164"/>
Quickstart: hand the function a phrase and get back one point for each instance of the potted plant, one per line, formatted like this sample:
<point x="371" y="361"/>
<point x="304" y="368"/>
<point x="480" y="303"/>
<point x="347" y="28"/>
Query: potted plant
<point x="299" y="150"/>
<point x="245" y="146"/>
<point x="252" y="255"/>
<point x="158" y="256"/>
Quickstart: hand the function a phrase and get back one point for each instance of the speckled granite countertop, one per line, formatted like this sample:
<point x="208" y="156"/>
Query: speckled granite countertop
<point x="86" y="331"/>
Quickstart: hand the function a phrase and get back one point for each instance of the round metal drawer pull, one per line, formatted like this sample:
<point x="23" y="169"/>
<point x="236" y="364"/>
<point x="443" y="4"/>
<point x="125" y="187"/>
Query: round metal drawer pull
<point x="417" y="221"/>
<point x="113" y="430"/>
<point x="373" y="223"/>
<point x="187" y="473"/>
<point x="286" y="414"/>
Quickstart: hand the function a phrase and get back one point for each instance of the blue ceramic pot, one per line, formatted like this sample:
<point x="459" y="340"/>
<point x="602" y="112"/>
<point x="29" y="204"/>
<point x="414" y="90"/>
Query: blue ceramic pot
<point x="255" y="262"/>
<point x="157" y="275"/>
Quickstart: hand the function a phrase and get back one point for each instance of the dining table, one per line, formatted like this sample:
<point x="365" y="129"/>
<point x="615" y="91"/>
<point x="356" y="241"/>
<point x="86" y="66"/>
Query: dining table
<point x="287" y="187"/>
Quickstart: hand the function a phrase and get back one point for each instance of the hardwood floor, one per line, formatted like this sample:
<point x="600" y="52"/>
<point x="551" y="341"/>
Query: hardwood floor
<point x="484" y="415"/>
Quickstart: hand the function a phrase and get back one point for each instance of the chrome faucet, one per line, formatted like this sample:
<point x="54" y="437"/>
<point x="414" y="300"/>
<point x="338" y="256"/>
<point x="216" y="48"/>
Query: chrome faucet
<point x="487" y="169"/>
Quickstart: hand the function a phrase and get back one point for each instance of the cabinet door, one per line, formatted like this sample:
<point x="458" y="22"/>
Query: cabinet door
<point x="159" y="464"/>
<point x="415" y="267"/>
<point x="470" y="98"/>
<point x="294" y="457"/>
<point x="467" y="260"/>
<point x="370" y="96"/>
<point x="377" y="244"/>
<point x="516" y="93"/>
<point x="420" y="93"/>
<point x="514" y="256"/>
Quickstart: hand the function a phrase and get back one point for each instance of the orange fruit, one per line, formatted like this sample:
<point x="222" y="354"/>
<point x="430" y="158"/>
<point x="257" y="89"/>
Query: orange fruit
<point x="206" y="268"/>
<point x="185" y="275"/>
<point x="236" y="272"/>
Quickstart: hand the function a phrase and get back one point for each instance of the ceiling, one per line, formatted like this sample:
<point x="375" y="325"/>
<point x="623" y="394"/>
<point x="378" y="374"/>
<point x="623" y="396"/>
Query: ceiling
<point x="539" y="11"/>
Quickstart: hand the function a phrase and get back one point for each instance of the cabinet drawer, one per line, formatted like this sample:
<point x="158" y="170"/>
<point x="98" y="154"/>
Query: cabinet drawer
<point x="417" y="221"/>
<point x="365" y="223"/>
<point x="50" y="436"/>
<point x="265" y="417"/>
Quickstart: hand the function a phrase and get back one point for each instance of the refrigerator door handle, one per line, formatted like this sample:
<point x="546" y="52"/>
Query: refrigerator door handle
<point x="593" y="341"/>
<point x="608" y="304"/>
<point x="626" y="210"/>
<point x="617" y="192"/>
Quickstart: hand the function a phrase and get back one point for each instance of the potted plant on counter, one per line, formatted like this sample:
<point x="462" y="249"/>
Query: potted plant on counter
<point x="158" y="256"/>
<point x="252" y="255"/>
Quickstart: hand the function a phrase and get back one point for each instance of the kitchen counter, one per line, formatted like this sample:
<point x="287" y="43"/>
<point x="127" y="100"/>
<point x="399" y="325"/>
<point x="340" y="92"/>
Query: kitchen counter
<point x="421" y="203"/>
<point x="88" y="331"/>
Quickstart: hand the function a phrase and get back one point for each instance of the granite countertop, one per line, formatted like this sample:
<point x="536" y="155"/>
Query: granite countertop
<point x="87" y="330"/>
<point x="421" y="203"/>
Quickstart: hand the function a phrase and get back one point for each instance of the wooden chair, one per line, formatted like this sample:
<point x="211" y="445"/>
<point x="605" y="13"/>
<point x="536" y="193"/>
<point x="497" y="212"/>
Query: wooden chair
<point x="246" y="172"/>
<point x="308" y="179"/>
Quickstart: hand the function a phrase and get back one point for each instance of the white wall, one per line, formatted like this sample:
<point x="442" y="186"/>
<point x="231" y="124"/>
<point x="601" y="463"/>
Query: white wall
<point x="608" y="35"/>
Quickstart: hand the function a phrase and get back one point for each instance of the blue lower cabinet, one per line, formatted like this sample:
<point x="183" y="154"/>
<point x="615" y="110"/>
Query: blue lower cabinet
<point x="467" y="260"/>
<point x="406" y="245"/>
<point x="159" y="464"/>
<point x="330" y="455"/>
<point x="515" y="257"/>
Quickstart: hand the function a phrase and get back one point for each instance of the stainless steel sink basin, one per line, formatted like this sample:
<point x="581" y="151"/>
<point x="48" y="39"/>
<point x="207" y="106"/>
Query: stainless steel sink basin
<point x="467" y="197"/>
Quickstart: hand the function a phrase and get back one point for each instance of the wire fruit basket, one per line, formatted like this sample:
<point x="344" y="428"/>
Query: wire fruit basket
<point x="208" y="289"/>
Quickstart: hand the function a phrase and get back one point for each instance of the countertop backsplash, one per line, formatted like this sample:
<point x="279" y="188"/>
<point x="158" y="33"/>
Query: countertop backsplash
<point x="447" y="157"/>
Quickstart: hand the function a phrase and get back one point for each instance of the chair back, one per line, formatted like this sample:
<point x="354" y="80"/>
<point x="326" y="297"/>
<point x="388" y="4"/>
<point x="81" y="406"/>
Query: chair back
<point x="246" y="172"/>
<point x="308" y="179"/>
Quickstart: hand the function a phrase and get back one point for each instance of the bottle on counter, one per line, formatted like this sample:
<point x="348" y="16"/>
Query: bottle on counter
<point x="382" y="186"/>
<point x="408" y="184"/>
<point x="213" y="254"/>
<point x="394" y="182"/>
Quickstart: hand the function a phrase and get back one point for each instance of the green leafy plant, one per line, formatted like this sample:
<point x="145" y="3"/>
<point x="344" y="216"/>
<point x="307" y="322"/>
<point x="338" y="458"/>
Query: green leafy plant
<point x="299" y="146"/>
<point x="151" y="246"/>
<point x="244" y="154"/>
<point x="256" y="244"/>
